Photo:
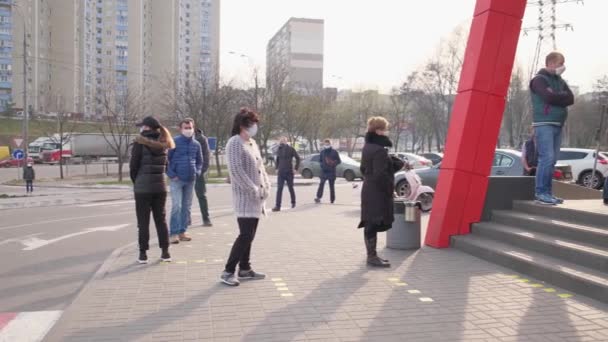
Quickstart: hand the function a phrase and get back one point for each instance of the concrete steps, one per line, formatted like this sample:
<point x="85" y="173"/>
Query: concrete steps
<point x="564" y="247"/>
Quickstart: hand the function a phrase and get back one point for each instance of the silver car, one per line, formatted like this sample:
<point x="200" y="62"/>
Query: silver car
<point x="349" y="169"/>
<point x="506" y="163"/>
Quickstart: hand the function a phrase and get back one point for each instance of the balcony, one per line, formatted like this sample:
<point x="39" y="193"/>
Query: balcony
<point x="6" y="85"/>
<point x="121" y="67"/>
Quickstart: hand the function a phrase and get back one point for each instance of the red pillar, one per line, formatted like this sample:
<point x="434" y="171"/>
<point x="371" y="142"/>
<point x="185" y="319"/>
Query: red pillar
<point x="476" y="119"/>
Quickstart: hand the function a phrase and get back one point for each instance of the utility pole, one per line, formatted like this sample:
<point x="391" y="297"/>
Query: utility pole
<point x="25" y="106"/>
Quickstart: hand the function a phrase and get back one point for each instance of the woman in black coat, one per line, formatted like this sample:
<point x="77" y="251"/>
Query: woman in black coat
<point x="378" y="170"/>
<point x="147" y="170"/>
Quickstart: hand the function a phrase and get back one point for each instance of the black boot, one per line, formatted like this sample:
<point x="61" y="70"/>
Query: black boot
<point x="606" y="201"/>
<point x="372" y="255"/>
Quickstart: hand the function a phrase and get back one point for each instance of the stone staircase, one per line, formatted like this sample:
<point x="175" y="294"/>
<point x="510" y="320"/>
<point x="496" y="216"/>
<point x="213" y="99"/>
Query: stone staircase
<point x="564" y="247"/>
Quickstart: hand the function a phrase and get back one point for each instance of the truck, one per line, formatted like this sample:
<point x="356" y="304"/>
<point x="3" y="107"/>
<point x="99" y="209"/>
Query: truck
<point x="79" y="147"/>
<point x="35" y="146"/>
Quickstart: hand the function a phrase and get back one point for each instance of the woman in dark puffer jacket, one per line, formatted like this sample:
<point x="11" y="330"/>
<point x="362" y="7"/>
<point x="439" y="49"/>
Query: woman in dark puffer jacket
<point x="147" y="170"/>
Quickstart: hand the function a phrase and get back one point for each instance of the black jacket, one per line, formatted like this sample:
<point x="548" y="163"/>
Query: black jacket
<point x="29" y="174"/>
<point x="330" y="159"/>
<point x="378" y="170"/>
<point x="204" y="149"/>
<point x="285" y="156"/>
<point x="148" y="164"/>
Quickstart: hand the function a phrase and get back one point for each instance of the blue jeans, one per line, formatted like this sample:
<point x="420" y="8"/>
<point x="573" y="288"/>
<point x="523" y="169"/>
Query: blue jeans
<point x="548" y="143"/>
<point x="181" y="204"/>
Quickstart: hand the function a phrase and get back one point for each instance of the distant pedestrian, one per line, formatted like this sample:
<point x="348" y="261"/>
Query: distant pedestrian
<point x="185" y="166"/>
<point x="286" y="171"/>
<point x="330" y="159"/>
<point x="200" y="186"/>
<point x="29" y="175"/>
<point x="551" y="98"/>
<point x="378" y="170"/>
<point x="147" y="170"/>
<point x="250" y="189"/>
<point x="529" y="156"/>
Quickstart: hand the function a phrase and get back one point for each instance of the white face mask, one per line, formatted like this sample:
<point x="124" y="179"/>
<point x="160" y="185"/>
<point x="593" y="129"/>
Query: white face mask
<point x="559" y="71"/>
<point x="253" y="130"/>
<point x="327" y="146"/>
<point x="188" y="133"/>
<point x="141" y="129"/>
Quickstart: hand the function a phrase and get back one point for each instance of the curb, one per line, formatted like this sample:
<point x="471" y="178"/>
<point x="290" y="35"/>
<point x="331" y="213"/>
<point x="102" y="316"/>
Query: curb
<point x="57" y="331"/>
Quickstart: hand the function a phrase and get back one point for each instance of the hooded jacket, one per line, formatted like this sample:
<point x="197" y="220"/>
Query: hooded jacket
<point x="148" y="164"/>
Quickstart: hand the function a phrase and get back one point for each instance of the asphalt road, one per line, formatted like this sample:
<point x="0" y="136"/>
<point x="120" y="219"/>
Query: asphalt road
<point x="47" y="254"/>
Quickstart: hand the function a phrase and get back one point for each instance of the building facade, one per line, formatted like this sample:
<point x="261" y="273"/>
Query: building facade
<point x="295" y="54"/>
<point x="78" y="51"/>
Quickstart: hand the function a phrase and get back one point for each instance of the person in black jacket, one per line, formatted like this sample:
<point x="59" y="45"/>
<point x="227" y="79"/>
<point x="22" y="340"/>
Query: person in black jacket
<point x="147" y="170"/>
<point x="378" y="170"/>
<point x="330" y="159"/>
<point x="29" y="175"/>
<point x="286" y="171"/>
<point x="200" y="186"/>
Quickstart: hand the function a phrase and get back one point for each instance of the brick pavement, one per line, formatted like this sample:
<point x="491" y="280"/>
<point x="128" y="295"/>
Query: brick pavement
<point x="318" y="289"/>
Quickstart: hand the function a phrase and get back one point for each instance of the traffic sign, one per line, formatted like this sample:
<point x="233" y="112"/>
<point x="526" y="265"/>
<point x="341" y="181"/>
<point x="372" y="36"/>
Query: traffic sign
<point x="212" y="143"/>
<point x="18" y="154"/>
<point x="18" y="142"/>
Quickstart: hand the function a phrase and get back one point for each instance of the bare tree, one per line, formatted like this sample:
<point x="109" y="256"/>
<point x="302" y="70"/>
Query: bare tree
<point x="401" y="103"/>
<point x="514" y="120"/>
<point x="65" y="125"/>
<point x="122" y="106"/>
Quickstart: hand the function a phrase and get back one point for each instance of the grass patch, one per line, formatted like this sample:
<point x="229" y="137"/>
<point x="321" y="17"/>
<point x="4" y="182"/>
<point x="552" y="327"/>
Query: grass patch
<point x="124" y="182"/>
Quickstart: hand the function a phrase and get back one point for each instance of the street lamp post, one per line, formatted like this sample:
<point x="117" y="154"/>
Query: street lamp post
<point x="25" y="125"/>
<point x="255" y="76"/>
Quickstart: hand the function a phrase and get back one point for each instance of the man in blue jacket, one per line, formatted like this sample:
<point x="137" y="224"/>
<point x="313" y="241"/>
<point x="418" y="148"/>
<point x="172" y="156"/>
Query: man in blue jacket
<point x="551" y="98"/>
<point x="185" y="166"/>
<point x="330" y="159"/>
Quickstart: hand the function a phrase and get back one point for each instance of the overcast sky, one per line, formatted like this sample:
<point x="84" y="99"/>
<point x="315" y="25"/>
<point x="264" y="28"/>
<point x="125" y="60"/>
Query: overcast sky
<point x="374" y="44"/>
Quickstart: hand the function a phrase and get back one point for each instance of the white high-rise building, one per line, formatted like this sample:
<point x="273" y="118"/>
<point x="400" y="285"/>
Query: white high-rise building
<point x="78" y="48"/>
<point x="295" y="54"/>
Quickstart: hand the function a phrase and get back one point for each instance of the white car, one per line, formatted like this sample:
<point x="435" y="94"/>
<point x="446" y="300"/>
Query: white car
<point x="416" y="161"/>
<point x="581" y="160"/>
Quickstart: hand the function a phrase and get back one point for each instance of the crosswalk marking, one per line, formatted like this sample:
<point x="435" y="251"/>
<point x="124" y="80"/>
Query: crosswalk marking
<point x="27" y="326"/>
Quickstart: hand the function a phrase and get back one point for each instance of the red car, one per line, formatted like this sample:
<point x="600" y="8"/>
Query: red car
<point x="14" y="162"/>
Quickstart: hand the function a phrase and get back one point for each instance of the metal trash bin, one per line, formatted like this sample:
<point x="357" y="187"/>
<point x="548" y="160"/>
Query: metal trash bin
<point x="405" y="233"/>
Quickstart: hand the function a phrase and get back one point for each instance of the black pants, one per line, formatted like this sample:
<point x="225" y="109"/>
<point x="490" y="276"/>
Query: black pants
<point x="29" y="186"/>
<point x="201" y="193"/>
<point x="332" y="187"/>
<point x="155" y="203"/>
<point x="285" y="177"/>
<point x="241" y="250"/>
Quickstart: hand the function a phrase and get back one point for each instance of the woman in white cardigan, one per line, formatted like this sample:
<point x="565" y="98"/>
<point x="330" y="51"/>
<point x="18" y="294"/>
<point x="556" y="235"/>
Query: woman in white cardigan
<point x="250" y="189"/>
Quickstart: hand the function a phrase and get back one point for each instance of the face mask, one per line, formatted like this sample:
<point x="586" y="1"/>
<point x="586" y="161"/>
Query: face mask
<point x="252" y="131"/>
<point x="327" y="146"/>
<point x="141" y="129"/>
<point x="559" y="71"/>
<point x="188" y="133"/>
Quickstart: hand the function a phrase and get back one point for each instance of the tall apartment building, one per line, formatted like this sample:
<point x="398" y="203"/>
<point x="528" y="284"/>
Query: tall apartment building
<point x="295" y="54"/>
<point x="78" y="48"/>
<point x="38" y="41"/>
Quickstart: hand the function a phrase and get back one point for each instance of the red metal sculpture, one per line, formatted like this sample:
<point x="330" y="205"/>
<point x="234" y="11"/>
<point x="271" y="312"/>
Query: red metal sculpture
<point x="476" y="119"/>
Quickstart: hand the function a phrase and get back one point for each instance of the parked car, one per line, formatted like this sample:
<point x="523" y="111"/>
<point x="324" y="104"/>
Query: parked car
<point x="434" y="157"/>
<point x="416" y="161"/>
<point x="349" y="169"/>
<point x="506" y="163"/>
<point x="15" y="162"/>
<point x="582" y="160"/>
